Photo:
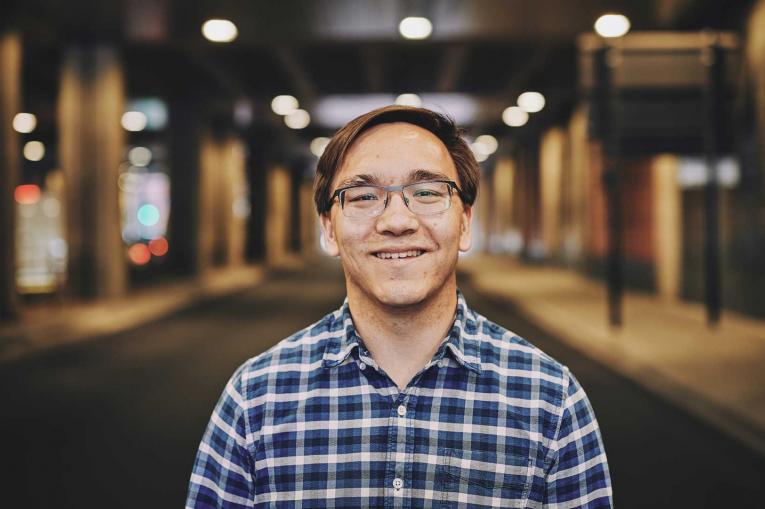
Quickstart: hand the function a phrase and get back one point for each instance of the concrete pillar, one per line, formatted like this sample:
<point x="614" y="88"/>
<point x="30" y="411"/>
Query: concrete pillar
<point x="551" y="153"/>
<point x="502" y="187"/>
<point x="237" y="208"/>
<point x="667" y="226"/>
<point x="185" y="153"/>
<point x="91" y="144"/>
<point x="10" y="101"/>
<point x="278" y="214"/>
<point x="222" y="221"/>
<point x="575" y="188"/>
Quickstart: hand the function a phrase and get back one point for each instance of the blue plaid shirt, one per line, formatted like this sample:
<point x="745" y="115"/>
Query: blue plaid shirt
<point x="490" y="421"/>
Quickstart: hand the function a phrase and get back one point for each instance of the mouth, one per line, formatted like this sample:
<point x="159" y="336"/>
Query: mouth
<point x="399" y="255"/>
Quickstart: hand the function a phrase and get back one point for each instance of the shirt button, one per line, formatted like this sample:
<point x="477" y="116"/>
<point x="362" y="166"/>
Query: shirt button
<point x="398" y="483"/>
<point x="401" y="410"/>
<point x="362" y="366"/>
<point x="442" y="363"/>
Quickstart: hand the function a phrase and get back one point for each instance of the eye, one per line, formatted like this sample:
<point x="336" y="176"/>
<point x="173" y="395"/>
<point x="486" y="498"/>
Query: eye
<point x="362" y="197"/>
<point x="427" y="193"/>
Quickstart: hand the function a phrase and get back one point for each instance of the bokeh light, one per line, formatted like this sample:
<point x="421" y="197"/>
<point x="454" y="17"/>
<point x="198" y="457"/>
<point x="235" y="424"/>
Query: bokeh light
<point x="34" y="150"/>
<point x="284" y="104"/>
<point x="531" y="102"/>
<point x="148" y="215"/>
<point x="409" y="100"/>
<point x="139" y="156"/>
<point x="27" y="194"/>
<point x="318" y="145"/>
<point x="612" y="25"/>
<point x="159" y="246"/>
<point x="219" y="30"/>
<point x="139" y="254"/>
<point x="24" y="123"/>
<point x="134" y="121"/>
<point x="415" y="27"/>
<point x="298" y="119"/>
<point x="514" y="116"/>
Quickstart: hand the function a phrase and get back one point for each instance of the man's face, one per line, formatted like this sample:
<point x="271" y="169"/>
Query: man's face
<point x="390" y="154"/>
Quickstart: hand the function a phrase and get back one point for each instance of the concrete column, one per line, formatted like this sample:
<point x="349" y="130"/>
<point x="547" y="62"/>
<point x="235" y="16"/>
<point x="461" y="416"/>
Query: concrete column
<point x="10" y="101"/>
<point x="575" y="187"/>
<point x="278" y="214"/>
<point x="91" y="143"/>
<point x="667" y="226"/>
<point x="222" y="221"/>
<point x="502" y="187"/>
<point x="185" y="152"/>
<point x="551" y="153"/>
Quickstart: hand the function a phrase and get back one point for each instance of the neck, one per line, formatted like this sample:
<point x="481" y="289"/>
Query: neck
<point x="402" y="339"/>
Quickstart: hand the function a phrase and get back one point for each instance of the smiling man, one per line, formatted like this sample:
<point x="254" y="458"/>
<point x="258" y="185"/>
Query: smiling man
<point x="403" y="397"/>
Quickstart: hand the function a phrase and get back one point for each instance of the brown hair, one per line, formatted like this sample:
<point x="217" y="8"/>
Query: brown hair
<point x="440" y="125"/>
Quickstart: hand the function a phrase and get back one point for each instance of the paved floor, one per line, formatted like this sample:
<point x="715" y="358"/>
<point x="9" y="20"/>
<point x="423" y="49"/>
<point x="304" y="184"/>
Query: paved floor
<point x="115" y="422"/>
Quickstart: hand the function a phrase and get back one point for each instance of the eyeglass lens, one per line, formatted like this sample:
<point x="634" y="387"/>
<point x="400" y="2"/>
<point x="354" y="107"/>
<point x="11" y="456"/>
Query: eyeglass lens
<point x="422" y="198"/>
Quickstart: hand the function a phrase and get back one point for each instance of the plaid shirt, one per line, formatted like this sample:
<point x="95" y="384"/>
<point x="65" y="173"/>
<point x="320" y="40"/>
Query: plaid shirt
<point x="490" y="421"/>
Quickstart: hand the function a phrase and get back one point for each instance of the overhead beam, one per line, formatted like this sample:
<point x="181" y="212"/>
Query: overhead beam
<point x="452" y="65"/>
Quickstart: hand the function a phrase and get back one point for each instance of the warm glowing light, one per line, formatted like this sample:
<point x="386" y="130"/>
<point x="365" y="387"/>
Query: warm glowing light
<point x="139" y="156"/>
<point x="24" y="123"/>
<point x="514" y="116"/>
<point x="158" y="247"/>
<point x="612" y="25"/>
<point x="298" y="119"/>
<point x="139" y="254"/>
<point x="480" y="157"/>
<point x="284" y="104"/>
<point x="485" y="144"/>
<point x="134" y="121"/>
<point x="318" y="145"/>
<point x="531" y="102"/>
<point x="148" y="215"/>
<point x="409" y="100"/>
<point x="415" y="28"/>
<point x="27" y="194"/>
<point x="219" y="30"/>
<point x="34" y="150"/>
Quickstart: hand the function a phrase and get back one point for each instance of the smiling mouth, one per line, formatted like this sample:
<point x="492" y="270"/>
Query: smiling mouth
<point x="398" y="256"/>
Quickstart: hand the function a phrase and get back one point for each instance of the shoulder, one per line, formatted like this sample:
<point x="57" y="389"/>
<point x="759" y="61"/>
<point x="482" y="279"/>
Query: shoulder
<point x="302" y="352"/>
<point x="506" y="354"/>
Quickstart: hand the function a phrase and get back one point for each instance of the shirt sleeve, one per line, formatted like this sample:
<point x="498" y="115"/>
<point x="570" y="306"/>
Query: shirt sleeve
<point x="223" y="471"/>
<point x="578" y="475"/>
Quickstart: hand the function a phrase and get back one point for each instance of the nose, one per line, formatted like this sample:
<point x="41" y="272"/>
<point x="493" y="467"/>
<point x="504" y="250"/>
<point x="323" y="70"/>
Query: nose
<point x="397" y="219"/>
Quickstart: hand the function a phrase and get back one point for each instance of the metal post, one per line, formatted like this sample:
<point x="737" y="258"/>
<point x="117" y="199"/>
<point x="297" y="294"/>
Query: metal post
<point x="608" y="122"/>
<point x="713" y="91"/>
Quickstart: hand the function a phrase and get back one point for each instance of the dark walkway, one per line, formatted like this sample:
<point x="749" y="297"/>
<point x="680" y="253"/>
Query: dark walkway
<point x="114" y="423"/>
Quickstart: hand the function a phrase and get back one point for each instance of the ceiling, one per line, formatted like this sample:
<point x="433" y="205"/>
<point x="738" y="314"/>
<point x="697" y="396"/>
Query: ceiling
<point x="486" y="50"/>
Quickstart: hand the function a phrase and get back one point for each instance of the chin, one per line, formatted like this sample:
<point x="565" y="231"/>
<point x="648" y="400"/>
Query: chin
<point x="402" y="294"/>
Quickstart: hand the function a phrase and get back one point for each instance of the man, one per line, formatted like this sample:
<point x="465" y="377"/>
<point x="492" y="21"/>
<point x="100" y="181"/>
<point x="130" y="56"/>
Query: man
<point x="403" y="397"/>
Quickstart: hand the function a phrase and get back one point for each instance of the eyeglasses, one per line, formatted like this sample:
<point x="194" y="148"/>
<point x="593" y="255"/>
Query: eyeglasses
<point x="422" y="198"/>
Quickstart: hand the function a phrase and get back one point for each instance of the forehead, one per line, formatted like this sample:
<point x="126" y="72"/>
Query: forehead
<point x="391" y="151"/>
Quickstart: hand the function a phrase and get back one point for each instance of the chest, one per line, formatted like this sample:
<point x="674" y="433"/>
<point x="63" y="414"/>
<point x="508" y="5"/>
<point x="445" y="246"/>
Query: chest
<point x="424" y="447"/>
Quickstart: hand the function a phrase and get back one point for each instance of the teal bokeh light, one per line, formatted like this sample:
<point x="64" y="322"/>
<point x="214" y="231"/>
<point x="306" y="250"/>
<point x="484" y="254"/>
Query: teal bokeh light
<point x="148" y="215"/>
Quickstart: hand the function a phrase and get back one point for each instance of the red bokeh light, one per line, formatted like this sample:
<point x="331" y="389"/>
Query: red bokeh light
<point x="158" y="247"/>
<point x="27" y="194"/>
<point x="139" y="254"/>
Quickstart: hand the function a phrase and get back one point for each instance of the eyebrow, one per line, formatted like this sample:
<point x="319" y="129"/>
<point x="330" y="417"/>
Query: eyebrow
<point x="416" y="175"/>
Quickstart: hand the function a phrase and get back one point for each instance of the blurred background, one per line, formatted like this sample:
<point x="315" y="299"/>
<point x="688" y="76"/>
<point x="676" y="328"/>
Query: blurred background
<point x="157" y="225"/>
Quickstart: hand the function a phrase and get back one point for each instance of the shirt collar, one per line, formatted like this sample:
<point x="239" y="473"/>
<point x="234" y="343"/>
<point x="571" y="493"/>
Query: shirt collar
<point x="463" y="339"/>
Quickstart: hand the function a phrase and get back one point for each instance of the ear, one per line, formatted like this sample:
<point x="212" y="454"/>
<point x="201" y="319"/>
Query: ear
<point x="466" y="238"/>
<point x="328" y="233"/>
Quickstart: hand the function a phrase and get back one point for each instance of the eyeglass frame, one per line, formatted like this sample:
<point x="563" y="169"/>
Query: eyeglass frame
<point x="400" y="188"/>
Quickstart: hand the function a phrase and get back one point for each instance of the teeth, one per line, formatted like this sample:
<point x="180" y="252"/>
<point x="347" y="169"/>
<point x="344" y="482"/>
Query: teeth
<point x="396" y="256"/>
